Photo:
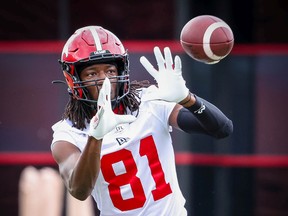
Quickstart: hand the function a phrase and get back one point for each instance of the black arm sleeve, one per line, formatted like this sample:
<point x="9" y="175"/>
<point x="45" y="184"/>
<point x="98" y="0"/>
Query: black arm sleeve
<point x="205" y="118"/>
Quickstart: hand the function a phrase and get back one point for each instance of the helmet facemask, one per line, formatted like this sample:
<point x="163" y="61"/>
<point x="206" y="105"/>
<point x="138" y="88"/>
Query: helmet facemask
<point x="78" y="88"/>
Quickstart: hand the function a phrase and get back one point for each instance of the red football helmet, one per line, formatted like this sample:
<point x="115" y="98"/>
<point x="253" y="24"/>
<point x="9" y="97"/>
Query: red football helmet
<point x="90" y="45"/>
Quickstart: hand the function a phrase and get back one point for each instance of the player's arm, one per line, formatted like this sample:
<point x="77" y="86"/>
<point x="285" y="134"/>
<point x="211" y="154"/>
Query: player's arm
<point x="78" y="170"/>
<point x="194" y="114"/>
<point x="197" y="115"/>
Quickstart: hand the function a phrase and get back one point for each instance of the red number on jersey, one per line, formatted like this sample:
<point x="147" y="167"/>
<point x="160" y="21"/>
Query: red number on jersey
<point x="147" y="148"/>
<point x="116" y="181"/>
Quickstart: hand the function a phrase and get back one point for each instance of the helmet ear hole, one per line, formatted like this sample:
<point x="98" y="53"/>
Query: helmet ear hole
<point x="65" y="66"/>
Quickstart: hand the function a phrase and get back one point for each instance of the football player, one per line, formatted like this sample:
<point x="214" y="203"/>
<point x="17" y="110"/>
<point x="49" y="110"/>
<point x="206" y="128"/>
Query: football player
<point x="114" y="139"/>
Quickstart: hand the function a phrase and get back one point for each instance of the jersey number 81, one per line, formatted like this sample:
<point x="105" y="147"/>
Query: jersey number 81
<point x="147" y="148"/>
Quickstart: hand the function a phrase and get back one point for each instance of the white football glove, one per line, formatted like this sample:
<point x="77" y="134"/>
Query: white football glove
<point x="105" y="119"/>
<point x="171" y="85"/>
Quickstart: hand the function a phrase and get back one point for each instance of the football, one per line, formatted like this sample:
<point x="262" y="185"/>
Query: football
<point x="207" y="39"/>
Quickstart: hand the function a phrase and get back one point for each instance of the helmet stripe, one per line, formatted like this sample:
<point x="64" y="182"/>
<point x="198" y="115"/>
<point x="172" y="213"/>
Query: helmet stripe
<point x="96" y="39"/>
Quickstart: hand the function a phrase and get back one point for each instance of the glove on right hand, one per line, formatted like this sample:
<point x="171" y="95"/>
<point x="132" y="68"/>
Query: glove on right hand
<point x="105" y="119"/>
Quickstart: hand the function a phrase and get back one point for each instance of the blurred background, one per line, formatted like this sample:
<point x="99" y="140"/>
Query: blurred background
<point x="243" y="175"/>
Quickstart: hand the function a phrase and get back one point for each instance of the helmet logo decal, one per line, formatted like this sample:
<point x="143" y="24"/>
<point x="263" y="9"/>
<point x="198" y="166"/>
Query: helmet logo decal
<point x="100" y="52"/>
<point x="96" y="38"/>
<point x="66" y="46"/>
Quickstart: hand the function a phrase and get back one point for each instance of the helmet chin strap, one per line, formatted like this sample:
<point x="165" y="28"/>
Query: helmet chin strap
<point x="117" y="107"/>
<point x="114" y="104"/>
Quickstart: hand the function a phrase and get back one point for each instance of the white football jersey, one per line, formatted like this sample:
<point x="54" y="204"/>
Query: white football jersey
<point x="138" y="173"/>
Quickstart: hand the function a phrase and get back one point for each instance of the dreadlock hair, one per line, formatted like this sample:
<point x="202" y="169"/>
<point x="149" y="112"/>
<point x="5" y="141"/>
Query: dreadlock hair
<point x="79" y="112"/>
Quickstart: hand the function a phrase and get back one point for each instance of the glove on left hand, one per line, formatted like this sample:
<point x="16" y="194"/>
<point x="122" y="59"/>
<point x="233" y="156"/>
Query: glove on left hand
<point x="171" y="85"/>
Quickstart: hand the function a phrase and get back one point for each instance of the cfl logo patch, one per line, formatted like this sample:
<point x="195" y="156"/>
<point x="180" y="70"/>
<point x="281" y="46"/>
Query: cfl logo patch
<point x="119" y="128"/>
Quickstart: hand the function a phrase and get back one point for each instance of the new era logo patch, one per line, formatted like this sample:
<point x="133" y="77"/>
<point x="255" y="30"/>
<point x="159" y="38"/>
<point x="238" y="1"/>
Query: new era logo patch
<point x="122" y="140"/>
